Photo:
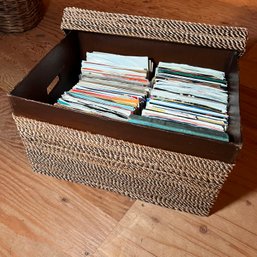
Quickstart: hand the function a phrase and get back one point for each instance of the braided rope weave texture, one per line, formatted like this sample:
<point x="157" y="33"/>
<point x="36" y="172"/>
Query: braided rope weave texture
<point x="224" y="37"/>
<point x="19" y="15"/>
<point x="169" y="179"/>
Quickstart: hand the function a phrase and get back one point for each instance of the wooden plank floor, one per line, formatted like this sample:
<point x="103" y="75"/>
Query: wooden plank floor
<point x="42" y="216"/>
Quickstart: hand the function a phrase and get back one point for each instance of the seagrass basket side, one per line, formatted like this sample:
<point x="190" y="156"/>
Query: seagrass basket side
<point x="19" y="15"/>
<point x="172" y="180"/>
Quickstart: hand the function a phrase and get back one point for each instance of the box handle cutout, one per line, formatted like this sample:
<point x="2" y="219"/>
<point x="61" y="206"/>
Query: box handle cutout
<point x="53" y="84"/>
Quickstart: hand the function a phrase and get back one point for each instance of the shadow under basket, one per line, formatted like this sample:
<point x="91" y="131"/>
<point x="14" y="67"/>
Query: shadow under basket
<point x="19" y="15"/>
<point x="174" y="170"/>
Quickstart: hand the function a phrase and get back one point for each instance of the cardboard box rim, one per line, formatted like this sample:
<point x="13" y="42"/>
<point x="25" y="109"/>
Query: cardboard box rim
<point x="64" y="61"/>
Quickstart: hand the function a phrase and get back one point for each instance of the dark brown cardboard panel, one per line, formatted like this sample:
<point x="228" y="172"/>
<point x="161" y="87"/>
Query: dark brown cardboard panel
<point x="158" y="50"/>
<point x="63" y="61"/>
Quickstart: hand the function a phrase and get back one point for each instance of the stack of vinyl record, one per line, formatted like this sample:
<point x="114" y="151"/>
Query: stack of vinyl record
<point x="188" y="99"/>
<point x="111" y="85"/>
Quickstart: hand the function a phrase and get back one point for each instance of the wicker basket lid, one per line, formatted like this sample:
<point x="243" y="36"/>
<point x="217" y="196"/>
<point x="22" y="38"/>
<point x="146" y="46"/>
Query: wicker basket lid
<point x="223" y="37"/>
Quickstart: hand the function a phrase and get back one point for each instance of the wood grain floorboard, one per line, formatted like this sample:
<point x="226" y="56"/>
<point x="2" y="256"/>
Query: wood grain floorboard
<point x="151" y="231"/>
<point x="43" y="212"/>
<point x="42" y="216"/>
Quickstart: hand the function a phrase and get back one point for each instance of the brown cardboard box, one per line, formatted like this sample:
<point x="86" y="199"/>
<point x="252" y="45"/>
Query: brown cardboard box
<point x="170" y="169"/>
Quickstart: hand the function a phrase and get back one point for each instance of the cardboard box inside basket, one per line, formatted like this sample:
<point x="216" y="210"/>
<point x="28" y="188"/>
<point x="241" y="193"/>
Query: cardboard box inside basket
<point x="174" y="170"/>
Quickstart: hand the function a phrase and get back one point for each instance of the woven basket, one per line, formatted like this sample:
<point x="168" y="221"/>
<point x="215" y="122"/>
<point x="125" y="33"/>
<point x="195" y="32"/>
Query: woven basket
<point x="19" y="15"/>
